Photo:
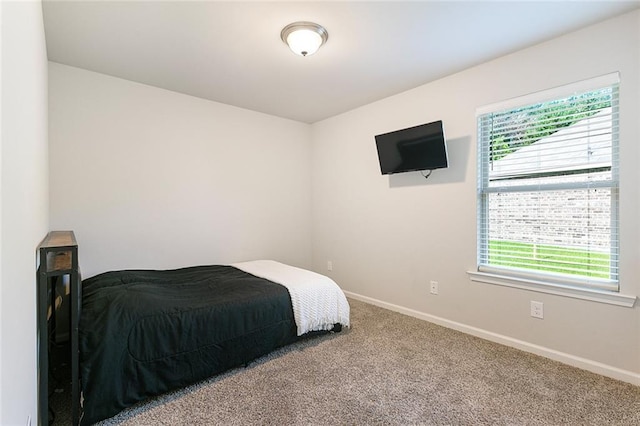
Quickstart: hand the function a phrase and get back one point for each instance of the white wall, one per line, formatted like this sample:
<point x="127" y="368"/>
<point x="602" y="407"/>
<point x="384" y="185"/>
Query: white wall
<point x="23" y="201"/>
<point x="149" y="178"/>
<point x="388" y="236"/>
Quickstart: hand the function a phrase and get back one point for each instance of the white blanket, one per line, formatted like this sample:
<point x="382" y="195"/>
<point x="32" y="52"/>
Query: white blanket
<point x="318" y="302"/>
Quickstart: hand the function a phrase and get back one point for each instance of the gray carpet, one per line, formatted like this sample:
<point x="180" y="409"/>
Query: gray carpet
<point x="391" y="369"/>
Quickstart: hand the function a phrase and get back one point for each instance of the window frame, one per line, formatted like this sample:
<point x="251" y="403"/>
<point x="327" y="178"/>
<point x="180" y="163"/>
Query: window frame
<point x="535" y="280"/>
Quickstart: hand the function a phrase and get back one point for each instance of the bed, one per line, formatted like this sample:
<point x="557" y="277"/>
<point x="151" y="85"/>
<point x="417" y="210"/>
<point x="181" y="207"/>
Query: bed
<point x="145" y="332"/>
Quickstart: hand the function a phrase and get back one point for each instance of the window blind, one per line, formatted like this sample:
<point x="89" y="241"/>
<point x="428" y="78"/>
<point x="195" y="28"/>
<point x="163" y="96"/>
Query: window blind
<point x="548" y="188"/>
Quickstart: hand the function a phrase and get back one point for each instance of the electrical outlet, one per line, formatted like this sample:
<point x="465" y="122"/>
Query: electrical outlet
<point x="434" y="287"/>
<point x="537" y="309"/>
<point x="329" y="265"/>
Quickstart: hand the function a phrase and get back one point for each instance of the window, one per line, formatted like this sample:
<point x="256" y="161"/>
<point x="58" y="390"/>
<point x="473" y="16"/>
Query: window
<point x="548" y="186"/>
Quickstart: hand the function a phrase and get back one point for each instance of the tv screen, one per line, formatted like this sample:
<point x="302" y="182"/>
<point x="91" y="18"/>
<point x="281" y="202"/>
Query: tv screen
<point x="416" y="148"/>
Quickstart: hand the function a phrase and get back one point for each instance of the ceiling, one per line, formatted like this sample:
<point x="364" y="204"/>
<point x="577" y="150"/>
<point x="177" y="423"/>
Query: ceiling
<point x="231" y="52"/>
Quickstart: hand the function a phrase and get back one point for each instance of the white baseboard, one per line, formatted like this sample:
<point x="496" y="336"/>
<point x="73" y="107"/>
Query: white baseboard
<point x="565" y="358"/>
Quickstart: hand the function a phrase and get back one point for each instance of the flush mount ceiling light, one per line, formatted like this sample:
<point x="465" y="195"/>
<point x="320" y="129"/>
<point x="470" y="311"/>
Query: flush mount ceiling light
<point x="304" y="38"/>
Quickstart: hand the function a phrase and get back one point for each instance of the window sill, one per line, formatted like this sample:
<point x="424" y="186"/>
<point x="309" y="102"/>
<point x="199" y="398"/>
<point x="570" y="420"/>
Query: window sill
<point x="601" y="296"/>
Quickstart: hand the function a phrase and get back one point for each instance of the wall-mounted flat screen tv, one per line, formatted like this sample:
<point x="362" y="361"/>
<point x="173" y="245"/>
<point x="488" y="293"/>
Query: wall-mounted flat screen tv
<point x="421" y="147"/>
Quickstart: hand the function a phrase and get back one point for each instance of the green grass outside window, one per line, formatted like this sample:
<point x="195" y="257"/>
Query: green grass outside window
<point x="549" y="258"/>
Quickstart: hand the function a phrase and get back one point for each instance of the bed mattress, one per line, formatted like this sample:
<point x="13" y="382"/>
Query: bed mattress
<point x="145" y="332"/>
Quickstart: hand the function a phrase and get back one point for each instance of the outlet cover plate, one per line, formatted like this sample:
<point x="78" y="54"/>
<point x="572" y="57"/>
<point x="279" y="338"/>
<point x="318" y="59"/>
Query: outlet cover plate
<point x="537" y="309"/>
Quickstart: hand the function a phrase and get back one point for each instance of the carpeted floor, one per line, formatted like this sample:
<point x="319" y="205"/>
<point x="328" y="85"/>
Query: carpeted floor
<point x="391" y="369"/>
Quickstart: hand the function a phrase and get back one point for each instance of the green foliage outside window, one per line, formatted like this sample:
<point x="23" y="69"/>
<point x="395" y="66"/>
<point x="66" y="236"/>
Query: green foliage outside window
<point x="523" y="127"/>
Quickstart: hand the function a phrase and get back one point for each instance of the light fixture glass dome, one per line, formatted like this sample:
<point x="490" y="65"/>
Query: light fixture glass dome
<point x="304" y="38"/>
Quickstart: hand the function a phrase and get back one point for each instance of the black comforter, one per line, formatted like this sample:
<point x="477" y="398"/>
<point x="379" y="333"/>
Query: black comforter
<point x="143" y="333"/>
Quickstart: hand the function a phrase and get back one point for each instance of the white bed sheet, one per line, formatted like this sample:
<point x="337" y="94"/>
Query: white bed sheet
<point x="318" y="302"/>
